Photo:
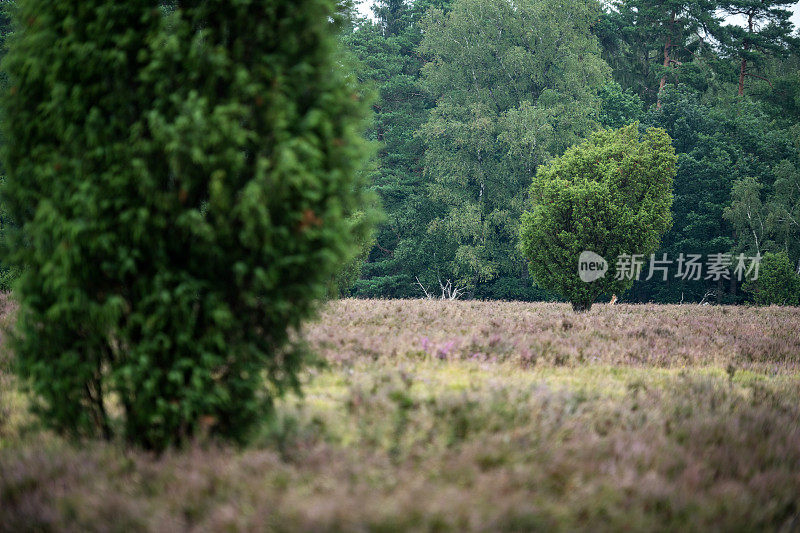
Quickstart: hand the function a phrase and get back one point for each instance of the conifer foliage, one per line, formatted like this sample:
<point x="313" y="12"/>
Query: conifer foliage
<point x="183" y="185"/>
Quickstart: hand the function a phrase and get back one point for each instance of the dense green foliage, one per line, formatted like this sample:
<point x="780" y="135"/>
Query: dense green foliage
<point x="462" y="136"/>
<point x="183" y="187"/>
<point x="610" y="195"/>
<point x="444" y="136"/>
<point x="8" y="274"/>
<point x="341" y="283"/>
<point x="472" y="97"/>
<point x="778" y="282"/>
<point x="650" y="42"/>
<point x="717" y="146"/>
<point x="386" y="49"/>
<point x="510" y="94"/>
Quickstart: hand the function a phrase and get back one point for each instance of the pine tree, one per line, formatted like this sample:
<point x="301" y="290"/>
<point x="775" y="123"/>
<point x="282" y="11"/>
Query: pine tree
<point x="767" y="31"/>
<point x="659" y="39"/>
<point x="387" y="51"/>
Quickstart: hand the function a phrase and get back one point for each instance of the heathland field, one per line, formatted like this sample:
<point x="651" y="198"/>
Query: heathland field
<point x="453" y="416"/>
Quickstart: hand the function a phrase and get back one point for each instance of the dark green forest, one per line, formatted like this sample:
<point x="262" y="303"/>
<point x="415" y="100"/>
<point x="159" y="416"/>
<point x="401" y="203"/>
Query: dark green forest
<point x="472" y="96"/>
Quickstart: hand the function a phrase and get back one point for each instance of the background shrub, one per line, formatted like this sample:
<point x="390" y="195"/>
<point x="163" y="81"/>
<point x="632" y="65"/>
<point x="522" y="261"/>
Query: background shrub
<point x="777" y="282"/>
<point x="184" y="186"/>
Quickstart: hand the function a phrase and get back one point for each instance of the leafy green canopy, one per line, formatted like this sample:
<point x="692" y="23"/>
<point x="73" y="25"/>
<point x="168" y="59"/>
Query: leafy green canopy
<point x="515" y="84"/>
<point x="778" y="282"/>
<point x="184" y="188"/>
<point x="717" y="146"/>
<point x="610" y="195"/>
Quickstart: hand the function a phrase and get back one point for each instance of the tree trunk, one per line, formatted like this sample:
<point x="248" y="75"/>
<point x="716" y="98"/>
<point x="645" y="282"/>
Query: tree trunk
<point x="742" y="70"/>
<point x="665" y="63"/>
<point x="667" y="46"/>
<point x="746" y="46"/>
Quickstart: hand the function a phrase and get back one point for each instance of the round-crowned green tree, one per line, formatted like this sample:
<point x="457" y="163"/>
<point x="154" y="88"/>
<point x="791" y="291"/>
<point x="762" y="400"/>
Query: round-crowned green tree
<point x="611" y="196"/>
<point x="183" y="185"/>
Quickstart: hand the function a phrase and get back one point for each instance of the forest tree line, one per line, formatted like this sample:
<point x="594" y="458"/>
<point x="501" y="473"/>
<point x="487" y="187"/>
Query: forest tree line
<point x="472" y="96"/>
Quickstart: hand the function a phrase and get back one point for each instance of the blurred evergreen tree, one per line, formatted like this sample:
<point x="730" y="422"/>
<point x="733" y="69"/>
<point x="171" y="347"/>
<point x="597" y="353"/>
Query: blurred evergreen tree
<point x="184" y="186"/>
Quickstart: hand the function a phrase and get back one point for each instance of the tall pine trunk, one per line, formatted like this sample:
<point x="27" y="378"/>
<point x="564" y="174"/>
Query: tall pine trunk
<point x="746" y="47"/>
<point x="667" y="60"/>
<point x="742" y="71"/>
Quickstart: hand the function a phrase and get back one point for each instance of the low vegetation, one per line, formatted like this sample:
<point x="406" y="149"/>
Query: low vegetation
<point x="452" y="416"/>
